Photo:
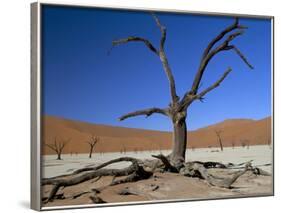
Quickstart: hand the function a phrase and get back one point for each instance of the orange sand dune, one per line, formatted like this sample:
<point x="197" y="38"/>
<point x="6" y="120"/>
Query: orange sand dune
<point x="116" y="139"/>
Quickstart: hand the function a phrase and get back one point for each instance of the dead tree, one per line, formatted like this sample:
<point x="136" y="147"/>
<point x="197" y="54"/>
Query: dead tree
<point x="92" y="143"/>
<point x="58" y="147"/>
<point x="218" y="134"/>
<point x="177" y="108"/>
<point x="233" y="144"/>
<point x="243" y="144"/>
<point x="177" y="112"/>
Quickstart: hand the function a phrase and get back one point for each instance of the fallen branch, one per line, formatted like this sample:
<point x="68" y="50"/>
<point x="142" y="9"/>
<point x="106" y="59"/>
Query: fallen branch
<point x="96" y="199"/>
<point x="211" y="164"/>
<point x="198" y="170"/>
<point x="127" y="191"/>
<point x="134" y="173"/>
<point x="140" y="170"/>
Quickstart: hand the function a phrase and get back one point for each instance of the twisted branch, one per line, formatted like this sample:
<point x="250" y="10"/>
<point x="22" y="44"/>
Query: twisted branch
<point x="136" y="39"/>
<point x="215" y="85"/>
<point x="208" y="54"/>
<point x="165" y="62"/>
<point x="160" y="53"/>
<point x="146" y="112"/>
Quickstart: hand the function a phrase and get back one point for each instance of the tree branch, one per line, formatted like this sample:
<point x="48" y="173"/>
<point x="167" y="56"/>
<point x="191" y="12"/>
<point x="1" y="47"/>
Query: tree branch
<point x="159" y="53"/>
<point x="242" y="56"/>
<point x="63" y="144"/>
<point x="136" y="39"/>
<point x="163" y="31"/>
<point x="51" y="146"/>
<point x="209" y="53"/>
<point x="232" y="27"/>
<point x="164" y="60"/>
<point x="215" y="85"/>
<point x="146" y="112"/>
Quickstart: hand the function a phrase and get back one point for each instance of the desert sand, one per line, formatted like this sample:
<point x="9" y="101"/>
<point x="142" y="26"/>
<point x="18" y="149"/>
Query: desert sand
<point x="260" y="154"/>
<point x="170" y="186"/>
<point x="115" y="142"/>
<point x="117" y="139"/>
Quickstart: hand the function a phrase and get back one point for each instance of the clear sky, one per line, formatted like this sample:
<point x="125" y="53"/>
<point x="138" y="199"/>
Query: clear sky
<point x="82" y="82"/>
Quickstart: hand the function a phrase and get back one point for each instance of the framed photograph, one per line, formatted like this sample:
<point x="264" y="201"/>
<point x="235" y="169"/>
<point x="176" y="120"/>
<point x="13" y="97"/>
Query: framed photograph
<point x="141" y="106"/>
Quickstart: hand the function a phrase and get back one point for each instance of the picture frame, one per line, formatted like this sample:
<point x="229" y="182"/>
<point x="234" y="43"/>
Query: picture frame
<point x="39" y="102"/>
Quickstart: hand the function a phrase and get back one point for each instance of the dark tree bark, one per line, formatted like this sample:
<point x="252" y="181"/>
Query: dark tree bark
<point x="138" y="170"/>
<point x="92" y="143"/>
<point x="177" y="108"/>
<point x="58" y="147"/>
<point x="177" y="156"/>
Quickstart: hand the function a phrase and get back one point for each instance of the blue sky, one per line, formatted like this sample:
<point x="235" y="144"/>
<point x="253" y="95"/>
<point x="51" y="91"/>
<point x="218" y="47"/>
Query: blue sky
<point x="82" y="82"/>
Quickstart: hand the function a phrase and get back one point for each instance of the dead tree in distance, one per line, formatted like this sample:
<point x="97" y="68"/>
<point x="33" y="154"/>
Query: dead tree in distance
<point x="58" y="147"/>
<point x="233" y="144"/>
<point x="218" y="134"/>
<point x="92" y="143"/>
<point x="177" y="108"/>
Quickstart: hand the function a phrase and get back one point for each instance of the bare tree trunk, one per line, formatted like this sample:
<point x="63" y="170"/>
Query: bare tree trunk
<point x="221" y="146"/>
<point x="91" y="151"/>
<point x="59" y="156"/>
<point x="177" y="156"/>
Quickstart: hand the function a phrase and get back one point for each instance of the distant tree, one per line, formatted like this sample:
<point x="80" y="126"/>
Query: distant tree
<point x="233" y="144"/>
<point x="58" y="147"/>
<point x="218" y="134"/>
<point x="243" y="142"/>
<point x="92" y="143"/>
<point x="176" y="111"/>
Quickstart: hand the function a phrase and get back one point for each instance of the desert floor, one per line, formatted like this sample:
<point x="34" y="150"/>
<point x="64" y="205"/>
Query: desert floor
<point x="168" y="186"/>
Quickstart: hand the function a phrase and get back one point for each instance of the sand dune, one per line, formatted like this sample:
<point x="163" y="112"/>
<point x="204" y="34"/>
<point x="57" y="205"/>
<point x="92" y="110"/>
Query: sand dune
<point x="115" y="139"/>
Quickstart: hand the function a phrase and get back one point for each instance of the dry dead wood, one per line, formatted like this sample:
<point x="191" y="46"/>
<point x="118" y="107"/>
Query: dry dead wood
<point x="96" y="199"/>
<point x="198" y="170"/>
<point x="128" y="191"/>
<point x="46" y="181"/>
<point x="138" y="170"/>
<point x="134" y="172"/>
<point x="167" y="165"/>
<point x="211" y="164"/>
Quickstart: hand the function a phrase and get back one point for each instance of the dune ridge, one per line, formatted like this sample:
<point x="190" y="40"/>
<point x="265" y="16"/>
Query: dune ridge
<point x="117" y="139"/>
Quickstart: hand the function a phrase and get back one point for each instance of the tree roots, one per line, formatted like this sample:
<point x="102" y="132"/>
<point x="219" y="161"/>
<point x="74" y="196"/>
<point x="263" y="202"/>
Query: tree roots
<point x="140" y="170"/>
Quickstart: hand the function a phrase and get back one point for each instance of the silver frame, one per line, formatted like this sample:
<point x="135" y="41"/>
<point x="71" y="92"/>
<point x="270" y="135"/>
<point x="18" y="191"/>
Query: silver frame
<point x="36" y="101"/>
